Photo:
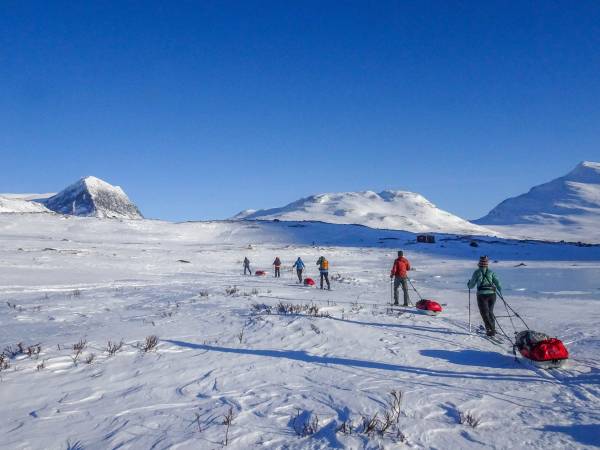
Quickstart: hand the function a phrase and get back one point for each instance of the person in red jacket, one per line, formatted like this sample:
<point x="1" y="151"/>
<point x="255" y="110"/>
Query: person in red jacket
<point x="277" y="264"/>
<point x="399" y="274"/>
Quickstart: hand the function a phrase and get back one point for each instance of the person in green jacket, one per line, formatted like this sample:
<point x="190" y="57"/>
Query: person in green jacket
<point x="487" y="285"/>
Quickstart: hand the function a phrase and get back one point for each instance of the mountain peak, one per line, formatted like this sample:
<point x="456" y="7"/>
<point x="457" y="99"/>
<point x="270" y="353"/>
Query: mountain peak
<point x="91" y="196"/>
<point x="585" y="172"/>
<point x="565" y="201"/>
<point x="389" y="209"/>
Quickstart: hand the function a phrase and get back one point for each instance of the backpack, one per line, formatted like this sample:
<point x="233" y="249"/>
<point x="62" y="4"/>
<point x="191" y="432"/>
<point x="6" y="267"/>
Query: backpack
<point x="485" y="277"/>
<point x="324" y="264"/>
<point x="529" y="338"/>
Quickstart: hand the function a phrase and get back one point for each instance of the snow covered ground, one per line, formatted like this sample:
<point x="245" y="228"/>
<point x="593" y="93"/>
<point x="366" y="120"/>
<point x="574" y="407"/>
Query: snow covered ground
<point x="63" y="280"/>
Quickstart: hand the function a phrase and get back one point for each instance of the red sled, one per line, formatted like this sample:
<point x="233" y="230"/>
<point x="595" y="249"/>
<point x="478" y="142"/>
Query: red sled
<point x="260" y="273"/>
<point x="309" y="282"/>
<point x="430" y="307"/>
<point x="541" y="350"/>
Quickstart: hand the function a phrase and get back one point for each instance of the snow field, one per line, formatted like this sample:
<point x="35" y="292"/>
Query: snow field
<point x="110" y="281"/>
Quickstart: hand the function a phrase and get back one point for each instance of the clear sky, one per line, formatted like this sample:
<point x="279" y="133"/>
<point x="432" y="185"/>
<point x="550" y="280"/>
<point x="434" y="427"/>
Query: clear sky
<point x="200" y="109"/>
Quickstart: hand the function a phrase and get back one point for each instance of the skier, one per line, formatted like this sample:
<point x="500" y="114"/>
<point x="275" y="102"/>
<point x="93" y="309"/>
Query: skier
<point x="299" y="266"/>
<point x="324" y="271"/>
<point x="277" y="264"/>
<point x="487" y="285"/>
<point x="399" y="275"/>
<point x="247" y="266"/>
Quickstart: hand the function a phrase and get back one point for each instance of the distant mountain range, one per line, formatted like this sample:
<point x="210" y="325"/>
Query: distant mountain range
<point x="398" y="210"/>
<point x="560" y="201"/>
<point x="565" y="208"/>
<point x="90" y="196"/>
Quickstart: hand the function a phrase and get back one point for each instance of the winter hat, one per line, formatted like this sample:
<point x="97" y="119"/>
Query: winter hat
<point x="483" y="261"/>
<point x="400" y="253"/>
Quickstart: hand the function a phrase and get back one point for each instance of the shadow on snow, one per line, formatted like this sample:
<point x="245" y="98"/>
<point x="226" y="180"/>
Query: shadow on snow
<point x="301" y="355"/>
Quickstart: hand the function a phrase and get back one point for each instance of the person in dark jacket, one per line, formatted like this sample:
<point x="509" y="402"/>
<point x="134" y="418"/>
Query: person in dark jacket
<point x="399" y="274"/>
<point x="277" y="264"/>
<point x="487" y="285"/>
<point x="247" y="266"/>
<point x="324" y="271"/>
<point x="299" y="266"/>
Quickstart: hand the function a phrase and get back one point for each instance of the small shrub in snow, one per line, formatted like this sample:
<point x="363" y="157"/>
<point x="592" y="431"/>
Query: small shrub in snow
<point x="307" y="426"/>
<point x="90" y="358"/>
<point x="240" y="335"/>
<point x="76" y="293"/>
<point x="149" y="344"/>
<point x="41" y="366"/>
<point x="260" y="308"/>
<point x="33" y="351"/>
<point x="379" y="423"/>
<point x="231" y="290"/>
<point x="4" y="362"/>
<point x="469" y="419"/>
<point x="203" y="293"/>
<point x="370" y="424"/>
<point x="78" y="350"/>
<point x="346" y="427"/>
<point x="197" y="422"/>
<point x="113" y="347"/>
<point x="227" y="421"/>
<point x="308" y="309"/>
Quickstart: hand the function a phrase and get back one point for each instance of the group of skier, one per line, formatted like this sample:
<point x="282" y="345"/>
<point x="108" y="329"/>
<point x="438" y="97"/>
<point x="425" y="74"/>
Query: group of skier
<point x="483" y="278"/>
<point x="299" y="265"/>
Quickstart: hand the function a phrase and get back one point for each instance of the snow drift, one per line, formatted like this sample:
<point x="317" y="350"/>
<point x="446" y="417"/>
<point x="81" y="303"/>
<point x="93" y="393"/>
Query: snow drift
<point x="400" y="210"/>
<point x="17" y="205"/>
<point x="91" y="196"/>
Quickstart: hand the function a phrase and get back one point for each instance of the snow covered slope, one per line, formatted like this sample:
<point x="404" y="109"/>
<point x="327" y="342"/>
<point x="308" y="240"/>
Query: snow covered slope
<point x="17" y="205"/>
<point x="398" y="210"/>
<point x="565" y="208"/>
<point x="29" y="197"/>
<point x="291" y="381"/>
<point x="91" y="196"/>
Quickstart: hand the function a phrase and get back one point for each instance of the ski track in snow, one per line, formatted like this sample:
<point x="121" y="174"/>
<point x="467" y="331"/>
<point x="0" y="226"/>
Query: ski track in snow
<point x="92" y="286"/>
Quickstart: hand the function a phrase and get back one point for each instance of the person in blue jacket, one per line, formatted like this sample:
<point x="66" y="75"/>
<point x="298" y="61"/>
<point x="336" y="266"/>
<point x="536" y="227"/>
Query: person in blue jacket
<point x="299" y="266"/>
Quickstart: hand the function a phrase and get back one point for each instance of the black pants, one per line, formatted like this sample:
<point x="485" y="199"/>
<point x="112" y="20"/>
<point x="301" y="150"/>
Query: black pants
<point x="325" y="275"/>
<point x="277" y="272"/>
<point x="486" y="303"/>
<point x="248" y="269"/>
<point x="299" y="273"/>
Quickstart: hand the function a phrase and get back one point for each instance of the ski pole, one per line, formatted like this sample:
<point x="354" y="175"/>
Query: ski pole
<point x="469" y="310"/>
<point x="413" y="286"/>
<point x="391" y="291"/>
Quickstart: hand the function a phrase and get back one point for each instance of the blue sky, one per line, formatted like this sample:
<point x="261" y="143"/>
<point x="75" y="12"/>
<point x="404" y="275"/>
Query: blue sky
<point x="201" y="109"/>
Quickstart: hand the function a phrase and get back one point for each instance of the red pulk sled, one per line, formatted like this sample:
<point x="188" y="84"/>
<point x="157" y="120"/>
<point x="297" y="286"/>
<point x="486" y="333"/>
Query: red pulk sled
<point x="541" y="350"/>
<point x="309" y="282"/>
<point x="430" y="307"/>
<point x="260" y="273"/>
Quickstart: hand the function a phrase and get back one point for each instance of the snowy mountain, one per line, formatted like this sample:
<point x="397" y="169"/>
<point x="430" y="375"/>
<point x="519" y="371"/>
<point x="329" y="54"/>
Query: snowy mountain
<point x="18" y="205"/>
<point x="565" y="208"/>
<point x="399" y="210"/>
<point x="91" y="196"/>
